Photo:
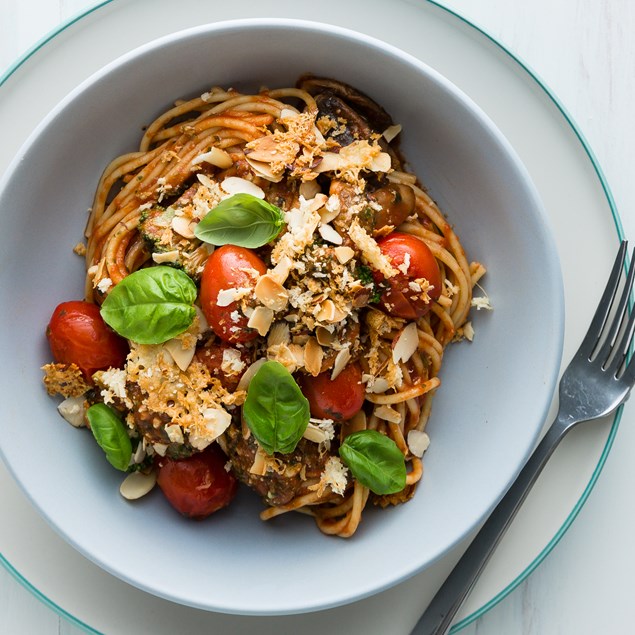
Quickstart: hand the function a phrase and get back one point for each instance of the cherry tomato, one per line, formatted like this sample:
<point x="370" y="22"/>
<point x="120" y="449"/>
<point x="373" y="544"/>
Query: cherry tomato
<point x="229" y="267"/>
<point x="77" y="334"/>
<point x="198" y="485"/>
<point x="337" y="399"/>
<point x="401" y="299"/>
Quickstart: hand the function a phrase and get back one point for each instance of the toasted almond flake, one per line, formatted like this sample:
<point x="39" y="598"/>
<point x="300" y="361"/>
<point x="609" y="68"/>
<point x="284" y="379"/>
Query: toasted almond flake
<point x="381" y="163"/>
<point x="341" y="360"/>
<point x="329" y="212"/>
<point x="264" y="170"/>
<point x="261" y="320"/>
<point x="309" y="189"/>
<point x="330" y="161"/>
<point x="217" y="420"/>
<point x="375" y="385"/>
<point x="281" y="271"/>
<point x="215" y="156"/>
<point x="325" y="312"/>
<point x="298" y="353"/>
<point x="391" y="132"/>
<point x="259" y="466"/>
<point x="175" y="433"/>
<point x="227" y="296"/>
<point x="279" y="334"/>
<point x="160" y="448"/>
<point x="405" y="344"/>
<point x="313" y="356"/>
<point x="165" y="256"/>
<point x="329" y="234"/>
<point x="183" y="226"/>
<point x="418" y="442"/>
<point x="237" y="185"/>
<point x="343" y="254"/>
<point x="324" y="336"/>
<point x="468" y="331"/>
<point x="387" y="414"/>
<point x="248" y="375"/>
<point x="137" y="484"/>
<point x="315" y="433"/>
<point x="72" y="409"/>
<point x="182" y="355"/>
<point x="271" y="293"/>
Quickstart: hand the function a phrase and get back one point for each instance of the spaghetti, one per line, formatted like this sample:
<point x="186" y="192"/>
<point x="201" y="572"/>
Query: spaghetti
<point x="349" y="293"/>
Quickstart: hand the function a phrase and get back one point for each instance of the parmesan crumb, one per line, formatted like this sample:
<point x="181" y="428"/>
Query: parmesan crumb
<point x="334" y="476"/>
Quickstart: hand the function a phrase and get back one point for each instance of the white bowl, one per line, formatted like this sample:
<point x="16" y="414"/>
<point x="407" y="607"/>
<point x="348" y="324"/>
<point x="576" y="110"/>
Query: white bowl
<point x="486" y="416"/>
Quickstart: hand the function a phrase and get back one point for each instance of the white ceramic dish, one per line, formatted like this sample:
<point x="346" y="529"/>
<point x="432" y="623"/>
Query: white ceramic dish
<point x="227" y="566"/>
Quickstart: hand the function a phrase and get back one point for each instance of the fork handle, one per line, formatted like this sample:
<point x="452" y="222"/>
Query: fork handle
<point x="439" y="615"/>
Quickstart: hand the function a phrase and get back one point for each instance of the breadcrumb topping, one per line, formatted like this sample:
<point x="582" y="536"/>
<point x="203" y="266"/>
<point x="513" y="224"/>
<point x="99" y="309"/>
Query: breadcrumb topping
<point x="64" y="379"/>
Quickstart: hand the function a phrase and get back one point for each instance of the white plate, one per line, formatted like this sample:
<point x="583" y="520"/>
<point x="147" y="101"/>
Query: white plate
<point x="536" y="128"/>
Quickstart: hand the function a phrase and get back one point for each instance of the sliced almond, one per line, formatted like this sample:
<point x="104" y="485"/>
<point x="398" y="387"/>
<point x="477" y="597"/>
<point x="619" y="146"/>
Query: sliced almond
<point x="309" y="189"/>
<point x="381" y="163"/>
<point x="391" y="132"/>
<point x="181" y="355"/>
<point x="183" y="226"/>
<point x="248" y="375"/>
<point x="315" y="433"/>
<point x="259" y="466"/>
<point x="137" y="484"/>
<point x="264" y="170"/>
<point x="378" y="385"/>
<point x="405" y="344"/>
<point x="279" y="334"/>
<point x="329" y="234"/>
<point x="325" y="312"/>
<point x="202" y="320"/>
<point x="298" y="353"/>
<point x="217" y="420"/>
<point x="261" y="320"/>
<point x="341" y="360"/>
<point x="343" y="254"/>
<point x="215" y="156"/>
<point x="418" y="442"/>
<point x="165" y="256"/>
<point x="271" y="293"/>
<point x="324" y="336"/>
<point x="237" y="185"/>
<point x="388" y="414"/>
<point x="313" y="356"/>
<point x="72" y="409"/>
<point x="281" y="271"/>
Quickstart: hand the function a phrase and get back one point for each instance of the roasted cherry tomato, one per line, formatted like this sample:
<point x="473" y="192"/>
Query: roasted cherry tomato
<point x="229" y="267"/>
<point x="338" y="399"/>
<point x="77" y="334"/>
<point x="198" y="485"/>
<point x="403" y="298"/>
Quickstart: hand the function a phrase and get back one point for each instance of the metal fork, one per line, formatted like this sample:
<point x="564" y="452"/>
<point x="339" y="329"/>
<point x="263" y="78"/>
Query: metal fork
<point x="596" y="382"/>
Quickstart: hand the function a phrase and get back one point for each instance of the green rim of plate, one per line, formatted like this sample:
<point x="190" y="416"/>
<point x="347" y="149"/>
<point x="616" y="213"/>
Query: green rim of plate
<point x="620" y="233"/>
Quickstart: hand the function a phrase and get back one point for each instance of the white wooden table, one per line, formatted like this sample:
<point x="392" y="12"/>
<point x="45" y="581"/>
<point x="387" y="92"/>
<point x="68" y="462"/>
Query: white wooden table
<point x="584" y="50"/>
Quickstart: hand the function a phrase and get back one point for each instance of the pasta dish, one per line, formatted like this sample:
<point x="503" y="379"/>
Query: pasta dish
<point x="269" y="294"/>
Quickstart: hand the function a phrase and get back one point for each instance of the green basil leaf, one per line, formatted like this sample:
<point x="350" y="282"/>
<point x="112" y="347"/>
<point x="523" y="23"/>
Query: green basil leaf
<point x="242" y="220"/>
<point x="152" y="305"/>
<point x="111" y="435"/>
<point x="275" y="410"/>
<point x="375" y="461"/>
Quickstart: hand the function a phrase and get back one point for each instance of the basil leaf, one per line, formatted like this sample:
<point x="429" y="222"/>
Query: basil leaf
<point x="275" y="410"/>
<point x="152" y="305"/>
<point x="242" y="220"/>
<point x="111" y="435"/>
<point x="375" y="461"/>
